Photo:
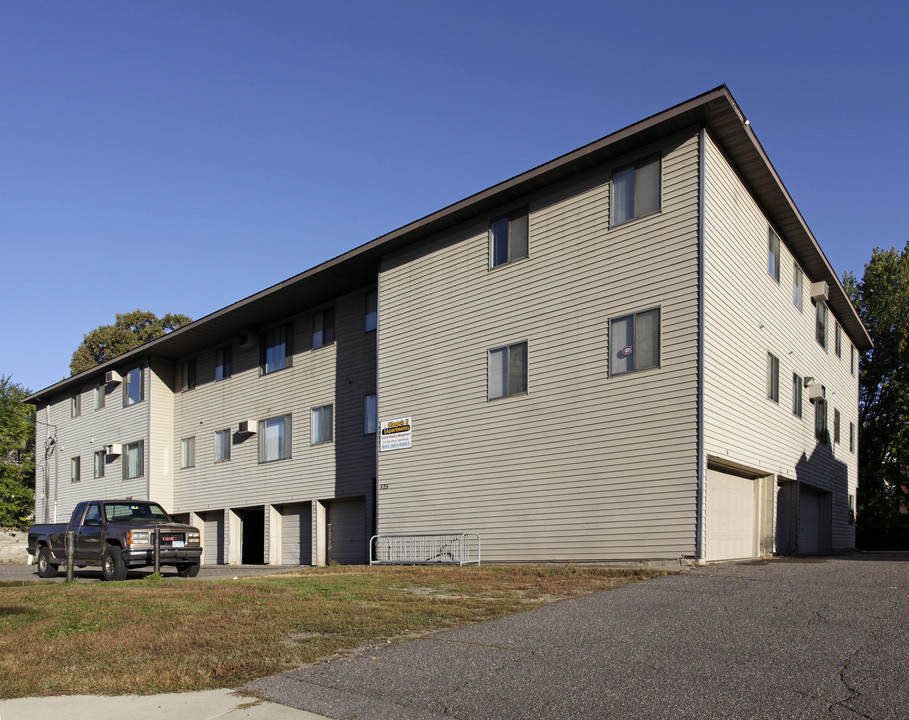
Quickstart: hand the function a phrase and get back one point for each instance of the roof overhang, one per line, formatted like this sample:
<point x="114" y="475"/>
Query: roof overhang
<point x="715" y="110"/>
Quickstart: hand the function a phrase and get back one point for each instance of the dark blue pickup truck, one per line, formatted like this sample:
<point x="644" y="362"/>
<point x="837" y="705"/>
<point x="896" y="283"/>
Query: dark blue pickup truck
<point x="117" y="535"/>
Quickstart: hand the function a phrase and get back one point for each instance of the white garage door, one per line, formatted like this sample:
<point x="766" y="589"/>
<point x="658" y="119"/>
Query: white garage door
<point x="296" y="533"/>
<point x="729" y="532"/>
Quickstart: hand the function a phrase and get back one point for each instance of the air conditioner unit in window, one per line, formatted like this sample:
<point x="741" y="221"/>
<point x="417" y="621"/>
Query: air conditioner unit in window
<point x="247" y="427"/>
<point x="248" y="340"/>
<point x="815" y="392"/>
<point x="113" y="449"/>
<point x="820" y="291"/>
<point x="112" y="376"/>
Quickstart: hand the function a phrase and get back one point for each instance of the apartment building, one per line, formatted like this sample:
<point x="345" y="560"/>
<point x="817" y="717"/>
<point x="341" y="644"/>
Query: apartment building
<point x="635" y="351"/>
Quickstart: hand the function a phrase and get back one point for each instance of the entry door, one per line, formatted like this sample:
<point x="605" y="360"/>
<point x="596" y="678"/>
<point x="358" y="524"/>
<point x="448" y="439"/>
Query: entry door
<point x="729" y="531"/>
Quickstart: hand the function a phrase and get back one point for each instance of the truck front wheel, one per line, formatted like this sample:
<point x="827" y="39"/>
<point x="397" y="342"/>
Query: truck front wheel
<point x="112" y="565"/>
<point x="46" y="569"/>
<point x="190" y="570"/>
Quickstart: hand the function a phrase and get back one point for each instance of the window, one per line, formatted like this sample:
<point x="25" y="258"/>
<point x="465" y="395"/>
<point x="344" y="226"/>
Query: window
<point x="276" y="352"/>
<point x="134" y="460"/>
<point x="508" y="238"/>
<point x="222" y="445"/>
<point x="635" y="191"/>
<point x="133" y="387"/>
<point x="508" y="370"/>
<point x="75" y="404"/>
<point x="370" y="416"/>
<point x="321" y="425"/>
<point x="773" y="377"/>
<point x="773" y="255"/>
<point x="851" y="437"/>
<point x="796" y="395"/>
<point x="188" y="452"/>
<point x="634" y="342"/>
<point x="851" y="509"/>
<point x="821" y="327"/>
<point x="836" y="425"/>
<point x="100" y="395"/>
<point x="188" y="375"/>
<point x="275" y="438"/>
<point x="75" y="469"/>
<point x="100" y="462"/>
<point x="323" y="328"/>
<point x="372" y="311"/>
<point x="820" y="418"/>
<point x="852" y="359"/>
<point x="222" y="364"/>
<point x="798" y="283"/>
<point x="837" y="339"/>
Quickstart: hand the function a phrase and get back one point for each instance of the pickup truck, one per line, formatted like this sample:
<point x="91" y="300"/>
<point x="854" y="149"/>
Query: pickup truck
<point x="117" y="535"/>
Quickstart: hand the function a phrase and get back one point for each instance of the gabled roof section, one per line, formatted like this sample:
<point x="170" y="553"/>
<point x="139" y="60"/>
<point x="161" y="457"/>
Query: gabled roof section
<point x="716" y="110"/>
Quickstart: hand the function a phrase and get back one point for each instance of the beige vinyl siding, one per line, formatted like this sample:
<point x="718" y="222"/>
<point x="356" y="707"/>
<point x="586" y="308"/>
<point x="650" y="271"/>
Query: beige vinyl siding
<point x="741" y="425"/>
<point x="160" y="398"/>
<point x="339" y="374"/>
<point x="82" y="436"/>
<point x="583" y="466"/>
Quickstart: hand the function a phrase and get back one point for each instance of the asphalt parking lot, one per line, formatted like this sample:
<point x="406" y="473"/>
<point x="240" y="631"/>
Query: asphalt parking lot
<point x="800" y="638"/>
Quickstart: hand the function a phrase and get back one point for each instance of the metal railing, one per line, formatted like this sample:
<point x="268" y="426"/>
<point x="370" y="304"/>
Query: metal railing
<point x="444" y="549"/>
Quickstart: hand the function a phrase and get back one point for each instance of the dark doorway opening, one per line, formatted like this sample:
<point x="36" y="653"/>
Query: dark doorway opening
<point x="253" y="535"/>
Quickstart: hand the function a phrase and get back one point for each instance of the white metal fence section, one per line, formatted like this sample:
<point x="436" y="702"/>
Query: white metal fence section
<point x="446" y="549"/>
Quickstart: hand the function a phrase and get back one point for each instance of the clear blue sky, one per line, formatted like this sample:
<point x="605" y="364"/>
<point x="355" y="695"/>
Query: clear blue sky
<point x="179" y="156"/>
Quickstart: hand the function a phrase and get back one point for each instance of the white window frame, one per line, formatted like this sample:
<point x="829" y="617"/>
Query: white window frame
<point x="821" y="322"/>
<point x="275" y="439"/>
<point x="620" y="350"/>
<point x="509" y="237"/>
<point x="75" y="404"/>
<point x="100" y="395"/>
<point x="629" y="183"/>
<point x="188" y="375"/>
<point x="223" y="361"/>
<point x="75" y="469"/>
<point x="773" y="377"/>
<point x="773" y="254"/>
<point x="100" y="461"/>
<point x="188" y="452"/>
<point x="371" y="320"/>
<point x="276" y="352"/>
<point x="507" y="370"/>
<point x="222" y="445"/>
<point x="321" y="424"/>
<point x="133" y="386"/>
<point x="798" y="286"/>
<point x="370" y="414"/>
<point x="135" y="450"/>
<point x="323" y="328"/>
<point x="797" y="401"/>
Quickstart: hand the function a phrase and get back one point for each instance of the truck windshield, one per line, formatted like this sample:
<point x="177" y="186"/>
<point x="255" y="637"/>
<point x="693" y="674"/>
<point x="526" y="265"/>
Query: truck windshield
<point x="116" y="512"/>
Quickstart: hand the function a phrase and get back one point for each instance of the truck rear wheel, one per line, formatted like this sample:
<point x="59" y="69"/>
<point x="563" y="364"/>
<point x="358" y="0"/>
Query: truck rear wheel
<point x="46" y="569"/>
<point x="190" y="570"/>
<point x="112" y="565"/>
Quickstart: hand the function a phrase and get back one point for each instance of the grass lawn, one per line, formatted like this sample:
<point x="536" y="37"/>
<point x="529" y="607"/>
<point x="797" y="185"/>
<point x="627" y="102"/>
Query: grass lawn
<point x="168" y="635"/>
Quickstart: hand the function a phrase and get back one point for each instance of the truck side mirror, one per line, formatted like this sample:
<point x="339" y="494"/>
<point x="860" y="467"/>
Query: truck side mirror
<point x="91" y="522"/>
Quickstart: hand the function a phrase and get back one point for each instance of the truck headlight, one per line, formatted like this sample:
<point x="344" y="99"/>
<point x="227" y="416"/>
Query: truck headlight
<point x="192" y="538"/>
<point x="139" y="537"/>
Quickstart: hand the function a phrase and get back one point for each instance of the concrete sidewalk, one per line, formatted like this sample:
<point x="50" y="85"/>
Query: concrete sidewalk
<point x="205" y="705"/>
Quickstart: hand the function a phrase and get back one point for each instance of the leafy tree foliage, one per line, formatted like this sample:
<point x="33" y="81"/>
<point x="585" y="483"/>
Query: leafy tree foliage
<point x="882" y="300"/>
<point x="17" y="455"/>
<point x="129" y="331"/>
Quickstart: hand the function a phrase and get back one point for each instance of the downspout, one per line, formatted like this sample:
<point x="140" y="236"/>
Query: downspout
<point x="702" y="460"/>
<point x="46" y="468"/>
<point x="147" y="458"/>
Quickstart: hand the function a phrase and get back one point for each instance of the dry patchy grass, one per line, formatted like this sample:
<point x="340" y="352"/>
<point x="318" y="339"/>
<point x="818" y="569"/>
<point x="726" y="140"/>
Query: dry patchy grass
<point x="155" y="635"/>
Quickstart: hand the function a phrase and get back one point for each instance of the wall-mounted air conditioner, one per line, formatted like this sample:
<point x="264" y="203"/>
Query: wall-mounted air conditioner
<point x="112" y="376"/>
<point x="820" y="291"/>
<point x="113" y="449"/>
<point x="248" y="340"/>
<point x="815" y="392"/>
<point x="247" y="427"/>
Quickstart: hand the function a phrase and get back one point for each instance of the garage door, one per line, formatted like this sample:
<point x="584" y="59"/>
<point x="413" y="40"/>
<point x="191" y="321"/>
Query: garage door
<point x="348" y="531"/>
<point x="296" y="534"/>
<point x="212" y="537"/>
<point x="729" y="532"/>
<point x="814" y="520"/>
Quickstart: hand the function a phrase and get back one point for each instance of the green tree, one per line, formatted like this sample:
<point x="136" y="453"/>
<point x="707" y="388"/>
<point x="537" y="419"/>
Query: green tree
<point x="17" y="455"/>
<point x="128" y="331"/>
<point x="882" y="300"/>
